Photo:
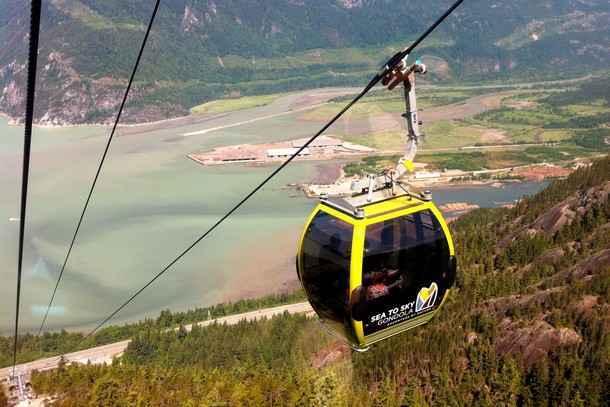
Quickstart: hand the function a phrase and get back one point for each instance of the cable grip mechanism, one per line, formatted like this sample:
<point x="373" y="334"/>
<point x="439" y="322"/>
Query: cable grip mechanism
<point x="401" y="72"/>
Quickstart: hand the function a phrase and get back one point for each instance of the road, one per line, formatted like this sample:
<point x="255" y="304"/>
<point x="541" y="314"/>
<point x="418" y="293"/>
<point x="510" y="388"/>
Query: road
<point x="105" y="353"/>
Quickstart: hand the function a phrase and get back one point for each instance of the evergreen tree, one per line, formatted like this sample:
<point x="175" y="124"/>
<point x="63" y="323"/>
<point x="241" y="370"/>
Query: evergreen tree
<point x="107" y="392"/>
<point x="412" y="396"/>
<point x="537" y="382"/>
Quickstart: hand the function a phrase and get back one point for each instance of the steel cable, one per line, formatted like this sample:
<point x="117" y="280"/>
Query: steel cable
<point x="116" y="122"/>
<point x="27" y="143"/>
<point x="388" y="67"/>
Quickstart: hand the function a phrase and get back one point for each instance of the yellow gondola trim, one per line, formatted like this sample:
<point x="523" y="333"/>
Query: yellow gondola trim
<point x="375" y="213"/>
<point x="396" y="329"/>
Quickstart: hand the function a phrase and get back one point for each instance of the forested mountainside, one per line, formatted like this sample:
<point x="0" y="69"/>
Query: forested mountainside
<point x="202" y="50"/>
<point x="528" y="324"/>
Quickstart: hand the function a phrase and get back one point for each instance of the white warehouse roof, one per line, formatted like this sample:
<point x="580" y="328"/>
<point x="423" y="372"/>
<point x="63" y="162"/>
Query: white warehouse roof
<point x="285" y="152"/>
<point x="318" y="142"/>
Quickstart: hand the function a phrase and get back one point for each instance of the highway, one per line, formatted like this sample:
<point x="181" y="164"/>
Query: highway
<point x="105" y="353"/>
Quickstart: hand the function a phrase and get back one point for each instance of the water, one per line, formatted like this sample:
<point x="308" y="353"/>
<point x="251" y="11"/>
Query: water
<point x="151" y="203"/>
<point x="485" y="195"/>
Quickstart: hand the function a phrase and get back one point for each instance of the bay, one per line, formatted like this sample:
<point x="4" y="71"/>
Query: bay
<point x="150" y="205"/>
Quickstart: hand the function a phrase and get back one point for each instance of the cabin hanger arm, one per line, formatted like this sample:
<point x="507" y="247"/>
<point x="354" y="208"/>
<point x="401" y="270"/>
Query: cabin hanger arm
<point x="389" y="178"/>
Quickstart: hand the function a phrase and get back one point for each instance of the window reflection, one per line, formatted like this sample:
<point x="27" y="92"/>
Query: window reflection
<point x="326" y="264"/>
<point x="404" y="261"/>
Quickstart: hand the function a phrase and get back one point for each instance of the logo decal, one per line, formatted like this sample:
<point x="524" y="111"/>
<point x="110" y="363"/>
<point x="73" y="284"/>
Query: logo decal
<point x="426" y="297"/>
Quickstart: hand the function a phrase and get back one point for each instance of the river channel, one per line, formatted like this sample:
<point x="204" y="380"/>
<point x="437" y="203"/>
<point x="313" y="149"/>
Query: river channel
<point x="151" y="203"/>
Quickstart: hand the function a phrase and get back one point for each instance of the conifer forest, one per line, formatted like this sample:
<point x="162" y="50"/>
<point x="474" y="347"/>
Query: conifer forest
<point x="527" y="325"/>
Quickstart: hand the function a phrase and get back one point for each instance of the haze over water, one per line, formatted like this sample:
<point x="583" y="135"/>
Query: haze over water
<point x="150" y="204"/>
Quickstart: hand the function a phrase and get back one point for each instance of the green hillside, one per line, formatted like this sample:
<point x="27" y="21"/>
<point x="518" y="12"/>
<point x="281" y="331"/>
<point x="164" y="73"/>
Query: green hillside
<point x="528" y="324"/>
<point x="200" y="51"/>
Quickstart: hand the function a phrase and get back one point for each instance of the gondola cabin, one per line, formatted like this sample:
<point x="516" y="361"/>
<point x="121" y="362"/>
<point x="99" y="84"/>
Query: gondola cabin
<point x="372" y="270"/>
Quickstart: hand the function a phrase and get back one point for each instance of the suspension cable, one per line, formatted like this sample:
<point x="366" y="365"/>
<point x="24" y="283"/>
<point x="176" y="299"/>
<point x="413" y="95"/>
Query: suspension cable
<point x="27" y="143"/>
<point x="116" y="122"/>
<point x="389" y="66"/>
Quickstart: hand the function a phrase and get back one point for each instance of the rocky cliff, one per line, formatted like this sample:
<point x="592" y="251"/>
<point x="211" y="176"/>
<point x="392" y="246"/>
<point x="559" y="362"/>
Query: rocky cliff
<point x="204" y="50"/>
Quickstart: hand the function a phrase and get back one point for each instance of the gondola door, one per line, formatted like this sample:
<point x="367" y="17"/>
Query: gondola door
<point x="406" y="262"/>
<point x="324" y="268"/>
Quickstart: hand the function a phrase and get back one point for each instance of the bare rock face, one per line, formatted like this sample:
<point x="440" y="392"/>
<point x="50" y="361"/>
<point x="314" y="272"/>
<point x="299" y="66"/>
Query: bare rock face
<point x="536" y="336"/>
<point x="557" y="217"/>
<point x="13" y="94"/>
<point x="534" y="340"/>
<point x="592" y="265"/>
<point x="63" y="97"/>
<point x="78" y="98"/>
<point x="561" y="214"/>
<point x="12" y="99"/>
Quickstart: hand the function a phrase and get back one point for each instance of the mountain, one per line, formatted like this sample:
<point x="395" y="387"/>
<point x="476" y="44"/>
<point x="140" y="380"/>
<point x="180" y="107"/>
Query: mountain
<point x="527" y="324"/>
<point x="200" y="50"/>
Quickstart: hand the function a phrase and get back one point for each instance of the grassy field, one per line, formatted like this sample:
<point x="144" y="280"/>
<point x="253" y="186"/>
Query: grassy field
<point x="451" y="134"/>
<point x="357" y="61"/>
<point x="228" y="105"/>
<point x="374" y="104"/>
<point x="385" y="141"/>
<point x="382" y="101"/>
<point x="512" y="156"/>
<point x="521" y="120"/>
<point x="532" y="126"/>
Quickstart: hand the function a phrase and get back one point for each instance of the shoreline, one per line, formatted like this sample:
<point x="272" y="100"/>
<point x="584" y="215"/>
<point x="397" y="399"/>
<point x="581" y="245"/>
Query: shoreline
<point x="189" y="119"/>
<point x="309" y="97"/>
<point x="313" y="92"/>
<point x="334" y="182"/>
<point x="275" y="277"/>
